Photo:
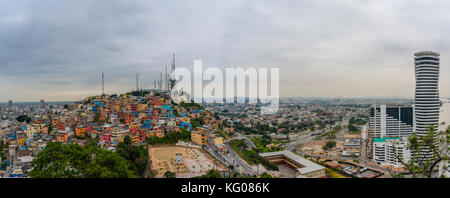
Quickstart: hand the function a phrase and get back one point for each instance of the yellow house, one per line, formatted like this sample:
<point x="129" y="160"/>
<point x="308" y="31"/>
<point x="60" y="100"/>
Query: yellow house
<point x="22" y="140"/>
<point x="142" y="107"/>
<point x="186" y="119"/>
<point x="218" y="141"/>
<point x="135" y="125"/>
<point x="198" y="137"/>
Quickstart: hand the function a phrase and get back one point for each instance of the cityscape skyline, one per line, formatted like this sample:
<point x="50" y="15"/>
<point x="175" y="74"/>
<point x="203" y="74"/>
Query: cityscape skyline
<point x="57" y="50"/>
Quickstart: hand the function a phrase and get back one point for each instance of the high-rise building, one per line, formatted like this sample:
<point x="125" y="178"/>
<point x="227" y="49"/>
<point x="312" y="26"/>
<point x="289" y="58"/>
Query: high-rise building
<point x="10" y="103"/>
<point x="387" y="151"/>
<point x="426" y="101"/>
<point x="391" y="121"/>
<point x="173" y="81"/>
<point x="389" y="126"/>
<point x="42" y="104"/>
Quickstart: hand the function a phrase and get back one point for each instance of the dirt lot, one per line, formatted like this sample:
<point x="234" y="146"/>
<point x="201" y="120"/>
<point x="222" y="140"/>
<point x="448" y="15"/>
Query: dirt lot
<point x="315" y="148"/>
<point x="195" y="162"/>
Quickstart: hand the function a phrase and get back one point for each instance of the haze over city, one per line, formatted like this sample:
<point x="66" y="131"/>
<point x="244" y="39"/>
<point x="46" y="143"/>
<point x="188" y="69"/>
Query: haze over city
<point x="56" y="50"/>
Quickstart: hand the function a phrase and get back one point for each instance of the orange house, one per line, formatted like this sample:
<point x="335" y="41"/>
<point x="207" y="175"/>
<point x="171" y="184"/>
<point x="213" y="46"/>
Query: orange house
<point x="135" y="125"/>
<point x="160" y="133"/>
<point x="80" y="131"/>
<point x="135" y="139"/>
<point x="128" y="119"/>
<point x="55" y="121"/>
<point x="62" y="138"/>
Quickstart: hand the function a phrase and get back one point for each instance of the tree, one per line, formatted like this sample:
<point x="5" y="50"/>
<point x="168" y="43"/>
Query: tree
<point x="23" y="118"/>
<point x="266" y="175"/>
<point x="329" y="145"/>
<point x="426" y="152"/>
<point x="59" y="160"/>
<point x="212" y="174"/>
<point x="169" y="174"/>
<point x="135" y="155"/>
<point x="353" y="129"/>
<point x="127" y="140"/>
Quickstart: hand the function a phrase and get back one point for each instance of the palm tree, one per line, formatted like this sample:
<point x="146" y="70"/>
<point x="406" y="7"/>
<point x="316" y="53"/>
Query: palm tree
<point x="169" y="174"/>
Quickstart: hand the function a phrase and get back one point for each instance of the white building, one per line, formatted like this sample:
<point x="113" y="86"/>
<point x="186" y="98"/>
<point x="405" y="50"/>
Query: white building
<point x="386" y="151"/>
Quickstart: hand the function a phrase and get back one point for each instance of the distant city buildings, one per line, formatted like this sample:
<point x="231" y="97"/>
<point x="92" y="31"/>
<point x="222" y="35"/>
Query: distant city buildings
<point x="10" y="103"/>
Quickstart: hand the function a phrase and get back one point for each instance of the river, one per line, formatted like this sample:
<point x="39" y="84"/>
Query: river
<point x="444" y="115"/>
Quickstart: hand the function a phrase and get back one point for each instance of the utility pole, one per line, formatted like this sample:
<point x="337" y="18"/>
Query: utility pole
<point x="160" y="82"/>
<point x="137" y="81"/>
<point x="165" y="82"/>
<point x="103" y="84"/>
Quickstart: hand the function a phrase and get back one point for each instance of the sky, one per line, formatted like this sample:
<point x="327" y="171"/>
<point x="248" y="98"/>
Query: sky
<point x="56" y="50"/>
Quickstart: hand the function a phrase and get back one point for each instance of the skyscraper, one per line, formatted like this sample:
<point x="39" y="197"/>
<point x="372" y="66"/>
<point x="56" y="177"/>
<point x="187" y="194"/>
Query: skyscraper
<point x="42" y="104"/>
<point x="10" y="103"/>
<point x="103" y="84"/>
<point x="392" y="121"/>
<point x="173" y="81"/>
<point x="426" y="101"/>
<point x="389" y="127"/>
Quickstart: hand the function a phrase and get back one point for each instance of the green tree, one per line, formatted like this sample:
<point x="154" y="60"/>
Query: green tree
<point x="135" y="155"/>
<point x="266" y="175"/>
<point x="426" y="152"/>
<point x="169" y="174"/>
<point x="127" y="140"/>
<point x="59" y="160"/>
<point x="212" y="174"/>
<point x="23" y="118"/>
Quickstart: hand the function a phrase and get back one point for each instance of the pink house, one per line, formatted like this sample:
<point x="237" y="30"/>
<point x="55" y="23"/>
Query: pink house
<point x="105" y="138"/>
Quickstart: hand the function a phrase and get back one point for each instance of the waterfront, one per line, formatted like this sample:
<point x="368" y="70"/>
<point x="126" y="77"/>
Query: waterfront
<point x="444" y="115"/>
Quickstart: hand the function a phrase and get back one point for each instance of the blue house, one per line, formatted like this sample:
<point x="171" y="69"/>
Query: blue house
<point x="185" y="125"/>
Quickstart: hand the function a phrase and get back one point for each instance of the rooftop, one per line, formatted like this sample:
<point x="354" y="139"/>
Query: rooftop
<point x="426" y="53"/>
<point x="308" y="165"/>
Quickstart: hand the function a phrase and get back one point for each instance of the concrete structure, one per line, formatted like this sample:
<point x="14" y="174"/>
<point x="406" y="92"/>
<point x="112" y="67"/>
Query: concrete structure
<point x="426" y="100"/>
<point x="179" y="158"/>
<point x="304" y="167"/>
<point x="42" y="104"/>
<point x="199" y="137"/>
<point x="427" y="90"/>
<point x="389" y="122"/>
<point x="386" y="150"/>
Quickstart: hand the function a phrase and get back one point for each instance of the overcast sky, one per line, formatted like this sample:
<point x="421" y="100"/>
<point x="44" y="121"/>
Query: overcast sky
<point x="57" y="49"/>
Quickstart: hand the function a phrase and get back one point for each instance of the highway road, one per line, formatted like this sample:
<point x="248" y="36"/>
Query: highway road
<point x="291" y="146"/>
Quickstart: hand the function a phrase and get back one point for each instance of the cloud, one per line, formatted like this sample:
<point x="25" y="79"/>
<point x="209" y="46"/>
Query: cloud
<point x="56" y="50"/>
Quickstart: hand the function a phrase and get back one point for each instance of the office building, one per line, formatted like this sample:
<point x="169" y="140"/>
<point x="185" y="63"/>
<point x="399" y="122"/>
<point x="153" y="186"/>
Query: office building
<point x="389" y="151"/>
<point x="389" y="123"/>
<point x="426" y="101"/>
